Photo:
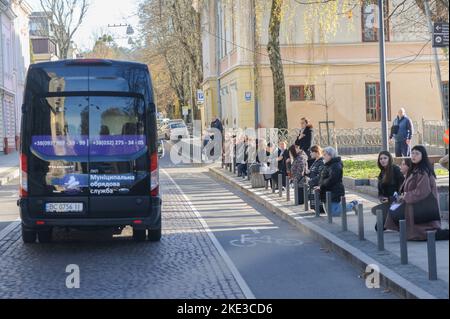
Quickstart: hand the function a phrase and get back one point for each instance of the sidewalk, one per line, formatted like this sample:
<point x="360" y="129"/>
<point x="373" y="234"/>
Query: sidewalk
<point x="410" y="281"/>
<point x="9" y="167"/>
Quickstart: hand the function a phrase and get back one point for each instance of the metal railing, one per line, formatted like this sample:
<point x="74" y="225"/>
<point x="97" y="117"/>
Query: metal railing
<point x="363" y="140"/>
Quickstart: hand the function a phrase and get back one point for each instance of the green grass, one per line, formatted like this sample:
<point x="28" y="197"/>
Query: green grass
<point x="361" y="169"/>
<point x="370" y="170"/>
<point x="441" y="172"/>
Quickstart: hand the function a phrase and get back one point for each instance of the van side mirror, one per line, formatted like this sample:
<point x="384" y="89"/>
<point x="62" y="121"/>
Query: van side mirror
<point x="161" y="149"/>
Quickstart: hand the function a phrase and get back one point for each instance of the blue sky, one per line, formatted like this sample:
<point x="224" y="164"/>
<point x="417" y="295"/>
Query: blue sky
<point x="100" y="14"/>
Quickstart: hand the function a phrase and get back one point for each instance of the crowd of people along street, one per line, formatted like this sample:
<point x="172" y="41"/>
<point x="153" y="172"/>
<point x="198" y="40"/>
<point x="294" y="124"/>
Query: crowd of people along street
<point x="408" y="192"/>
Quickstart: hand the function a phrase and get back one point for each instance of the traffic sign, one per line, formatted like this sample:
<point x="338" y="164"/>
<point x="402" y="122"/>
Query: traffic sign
<point x="185" y="110"/>
<point x="440" y="35"/>
<point x="200" y="97"/>
<point x="248" y="96"/>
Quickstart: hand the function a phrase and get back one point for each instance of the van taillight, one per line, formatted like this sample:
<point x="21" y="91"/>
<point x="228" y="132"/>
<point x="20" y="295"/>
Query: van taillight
<point x="154" y="173"/>
<point x="23" y="188"/>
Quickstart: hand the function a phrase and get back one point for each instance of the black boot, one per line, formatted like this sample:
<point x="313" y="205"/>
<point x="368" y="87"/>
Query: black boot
<point x="442" y="234"/>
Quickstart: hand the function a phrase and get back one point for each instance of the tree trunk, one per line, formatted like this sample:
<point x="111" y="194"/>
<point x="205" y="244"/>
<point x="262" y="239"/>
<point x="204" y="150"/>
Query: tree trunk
<point x="276" y="64"/>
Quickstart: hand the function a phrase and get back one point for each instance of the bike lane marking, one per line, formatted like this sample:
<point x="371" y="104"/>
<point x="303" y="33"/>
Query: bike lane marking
<point x="236" y="274"/>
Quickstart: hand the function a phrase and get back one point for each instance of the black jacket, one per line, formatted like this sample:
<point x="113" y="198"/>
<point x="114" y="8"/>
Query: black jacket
<point x="315" y="171"/>
<point x="282" y="164"/>
<point x="393" y="185"/>
<point x="331" y="180"/>
<point x="217" y="125"/>
<point x="306" y="142"/>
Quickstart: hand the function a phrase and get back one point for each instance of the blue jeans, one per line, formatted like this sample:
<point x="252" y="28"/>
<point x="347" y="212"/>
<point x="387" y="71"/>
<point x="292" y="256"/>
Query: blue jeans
<point x="402" y="149"/>
<point x="336" y="208"/>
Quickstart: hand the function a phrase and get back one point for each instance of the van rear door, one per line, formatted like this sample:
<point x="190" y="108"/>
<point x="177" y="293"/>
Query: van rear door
<point x="55" y="134"/>
<point x="89" y="143"/>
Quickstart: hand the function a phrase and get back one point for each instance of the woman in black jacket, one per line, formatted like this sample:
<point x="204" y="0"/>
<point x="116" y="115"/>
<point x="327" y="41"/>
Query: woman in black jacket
<point x="390" y="181"/>
<point x="317" y="166"/>
<point x="305" y="138"/>
<point x="314" y="173"/>
<point x="331" y="181"/>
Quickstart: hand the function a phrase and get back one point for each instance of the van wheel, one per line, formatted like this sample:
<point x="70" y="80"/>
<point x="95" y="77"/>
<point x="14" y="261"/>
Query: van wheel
<point x="139" y="235"/>
<point x="154" y="235"/>
<point x="28" y="236"/>
<point x="45" y="236"/>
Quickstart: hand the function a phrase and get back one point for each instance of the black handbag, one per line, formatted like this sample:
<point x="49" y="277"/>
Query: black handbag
<point x="426" y="210"/>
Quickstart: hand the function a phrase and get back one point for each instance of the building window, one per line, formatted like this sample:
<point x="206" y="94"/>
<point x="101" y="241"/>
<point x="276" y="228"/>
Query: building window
<point x="369" y="20"/>
<point x="445" y="92"/>
<point x="302" y="93"/>
<point x="373" y="102"/>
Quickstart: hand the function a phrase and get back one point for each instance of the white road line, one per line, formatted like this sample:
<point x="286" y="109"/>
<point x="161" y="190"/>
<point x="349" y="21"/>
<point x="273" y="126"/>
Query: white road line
<point x="235" y="272"/>
<point x="9" y="228"/>
<point x="255" y="231"/>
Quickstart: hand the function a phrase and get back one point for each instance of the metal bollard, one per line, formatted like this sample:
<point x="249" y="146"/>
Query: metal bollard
<point x="432" y="263"/>
<point x="266" y="184"/>
<point x="403" y="243"/>
<point x="344" y="215"/>
<point x="329" y="210"/>
<point x="288" y="189"/>
<point x="248" y="172"/>
<point x="273" y="185"/>
<point x="380" y="230"/>
<point x="361" y="221"/>
<point x="317" y="202"/>
<point x="296" y="199"/>
<point x="306" y="195"/>
<point x="280" y="185"/>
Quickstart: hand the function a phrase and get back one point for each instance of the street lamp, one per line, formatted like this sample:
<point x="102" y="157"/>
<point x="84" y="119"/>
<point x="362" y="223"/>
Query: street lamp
<point x="383" y="85"/>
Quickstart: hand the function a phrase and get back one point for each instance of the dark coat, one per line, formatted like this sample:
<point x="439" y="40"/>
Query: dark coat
<point x="217" y="125"/>
<point x="315" y="171"/>
<point x="402" y="129"/>
<point x="393" y="185"/>
<point x="331" y="180"/>
<point x="282" y="164"/>
<point x="306" y="142"/>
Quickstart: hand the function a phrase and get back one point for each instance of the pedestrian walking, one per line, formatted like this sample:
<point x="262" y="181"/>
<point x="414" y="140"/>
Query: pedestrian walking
<point x="402" y="132"/>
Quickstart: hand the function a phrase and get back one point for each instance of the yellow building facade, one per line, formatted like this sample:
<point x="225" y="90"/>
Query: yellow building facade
<point x="341" y="75"/>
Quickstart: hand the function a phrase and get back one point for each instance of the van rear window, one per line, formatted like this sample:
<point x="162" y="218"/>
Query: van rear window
<point x="89" y="129"/>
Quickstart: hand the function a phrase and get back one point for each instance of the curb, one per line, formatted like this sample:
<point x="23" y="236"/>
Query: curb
<point x="389" y="277"/>
<point x="10" y="174"/>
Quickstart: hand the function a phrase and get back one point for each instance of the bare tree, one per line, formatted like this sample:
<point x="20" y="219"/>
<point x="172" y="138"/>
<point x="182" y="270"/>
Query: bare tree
<point x="276" y="65"/>
<point x="173" y="39"/>
<point x="65" y="16"/>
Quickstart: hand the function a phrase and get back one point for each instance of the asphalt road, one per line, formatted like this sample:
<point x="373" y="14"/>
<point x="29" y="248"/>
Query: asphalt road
<point x="217" y="243"/>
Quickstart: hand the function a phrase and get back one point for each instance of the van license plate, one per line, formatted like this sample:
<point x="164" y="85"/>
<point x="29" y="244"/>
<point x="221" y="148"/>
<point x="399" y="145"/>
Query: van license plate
<point x="64" y="207"/>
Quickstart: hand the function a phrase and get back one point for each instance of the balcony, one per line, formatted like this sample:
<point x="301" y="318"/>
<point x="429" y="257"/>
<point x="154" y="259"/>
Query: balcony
<point x="43" y="46"/>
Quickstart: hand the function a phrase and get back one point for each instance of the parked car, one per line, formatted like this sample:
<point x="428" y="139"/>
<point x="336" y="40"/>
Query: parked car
<point x="175" y="131"/>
